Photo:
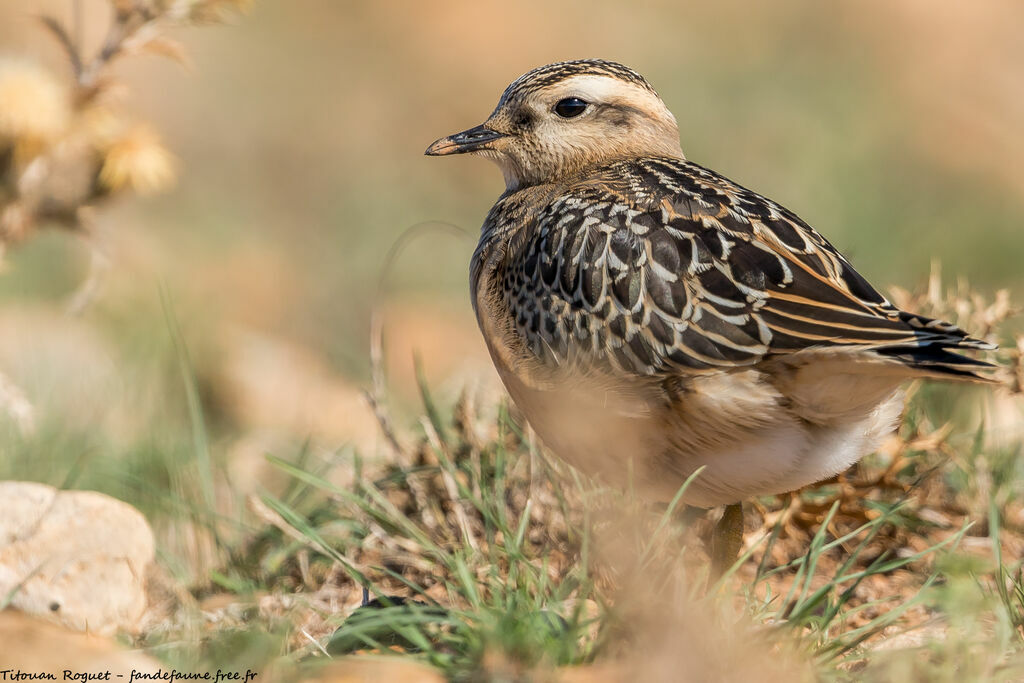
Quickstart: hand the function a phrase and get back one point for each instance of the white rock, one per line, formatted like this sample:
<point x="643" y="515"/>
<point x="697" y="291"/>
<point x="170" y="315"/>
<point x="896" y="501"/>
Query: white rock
<point x="75" y="557"/>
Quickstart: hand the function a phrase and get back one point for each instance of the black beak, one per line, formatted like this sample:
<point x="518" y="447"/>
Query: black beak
<point x="466" y="141"/>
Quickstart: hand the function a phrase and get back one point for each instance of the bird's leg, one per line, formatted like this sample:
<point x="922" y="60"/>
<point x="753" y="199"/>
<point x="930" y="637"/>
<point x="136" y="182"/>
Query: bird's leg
<point x="727" y="540"/>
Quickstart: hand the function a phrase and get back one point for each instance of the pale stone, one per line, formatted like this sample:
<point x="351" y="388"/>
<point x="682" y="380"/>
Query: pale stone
<point x="76" y="557"/>
<point x="370" y="669"/>
<point x="33" y="646"/>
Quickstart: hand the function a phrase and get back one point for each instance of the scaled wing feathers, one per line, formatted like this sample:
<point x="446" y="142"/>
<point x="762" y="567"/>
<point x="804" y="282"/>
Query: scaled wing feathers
<point x="659" y="266"/>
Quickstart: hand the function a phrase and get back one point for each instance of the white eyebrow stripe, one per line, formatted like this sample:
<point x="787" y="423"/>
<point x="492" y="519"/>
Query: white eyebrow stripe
<point x="597" y="88"/>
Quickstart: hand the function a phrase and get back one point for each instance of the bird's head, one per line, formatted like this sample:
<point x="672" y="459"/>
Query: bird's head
<point x="560" y="119"/>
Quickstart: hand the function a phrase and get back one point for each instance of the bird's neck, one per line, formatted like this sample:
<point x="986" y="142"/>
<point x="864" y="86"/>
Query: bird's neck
<point x="559" y="168"/>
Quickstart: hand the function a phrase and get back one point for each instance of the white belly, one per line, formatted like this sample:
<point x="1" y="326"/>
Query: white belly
<point x="750" y="438"/>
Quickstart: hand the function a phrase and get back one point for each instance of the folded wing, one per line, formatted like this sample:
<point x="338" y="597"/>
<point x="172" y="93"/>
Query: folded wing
<point x="660" y="266"/>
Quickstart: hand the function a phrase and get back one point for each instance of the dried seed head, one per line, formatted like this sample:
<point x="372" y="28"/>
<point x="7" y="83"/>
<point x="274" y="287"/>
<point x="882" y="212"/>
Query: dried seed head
<point x="35" y="107"/>
<point x="139" y="161"/>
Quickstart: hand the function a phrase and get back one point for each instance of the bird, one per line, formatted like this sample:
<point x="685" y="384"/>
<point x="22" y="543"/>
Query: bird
<point x="654" y="320"/>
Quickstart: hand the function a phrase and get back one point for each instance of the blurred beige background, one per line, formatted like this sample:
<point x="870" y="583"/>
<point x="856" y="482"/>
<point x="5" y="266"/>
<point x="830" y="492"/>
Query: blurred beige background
<point x="893" y="126"/>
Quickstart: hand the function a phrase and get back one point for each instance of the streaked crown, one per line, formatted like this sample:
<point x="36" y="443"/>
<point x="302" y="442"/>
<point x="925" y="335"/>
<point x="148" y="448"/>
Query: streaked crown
<point x="549" y="74"/>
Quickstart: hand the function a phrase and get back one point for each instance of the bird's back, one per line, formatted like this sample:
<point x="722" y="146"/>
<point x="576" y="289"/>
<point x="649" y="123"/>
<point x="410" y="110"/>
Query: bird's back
<point x="660" y="267"/>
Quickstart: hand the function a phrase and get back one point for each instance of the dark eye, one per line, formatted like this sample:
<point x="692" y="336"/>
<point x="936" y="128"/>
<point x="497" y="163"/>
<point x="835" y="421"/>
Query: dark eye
<point x="570" y="107"/>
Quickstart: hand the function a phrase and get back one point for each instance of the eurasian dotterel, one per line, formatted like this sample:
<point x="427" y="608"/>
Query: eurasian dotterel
<point x="651" y="317"/>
